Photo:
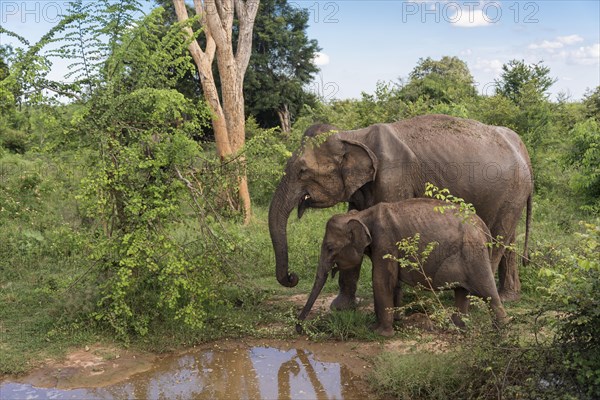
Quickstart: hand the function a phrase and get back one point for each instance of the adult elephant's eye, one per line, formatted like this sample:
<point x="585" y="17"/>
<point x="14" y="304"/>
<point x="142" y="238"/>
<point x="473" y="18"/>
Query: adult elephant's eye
<point x="303" y="172"/>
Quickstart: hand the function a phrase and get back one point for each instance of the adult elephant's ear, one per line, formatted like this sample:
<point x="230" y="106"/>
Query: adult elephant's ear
<point x="359" y="166"/>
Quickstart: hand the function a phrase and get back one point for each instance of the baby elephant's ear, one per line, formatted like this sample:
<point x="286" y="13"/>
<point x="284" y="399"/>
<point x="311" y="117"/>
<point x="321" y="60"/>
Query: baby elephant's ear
<point x="360" y="235"/>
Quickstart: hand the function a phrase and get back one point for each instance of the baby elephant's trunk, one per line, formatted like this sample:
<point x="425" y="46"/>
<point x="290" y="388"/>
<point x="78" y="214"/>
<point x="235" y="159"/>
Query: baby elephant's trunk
<point x="316" y="290"/>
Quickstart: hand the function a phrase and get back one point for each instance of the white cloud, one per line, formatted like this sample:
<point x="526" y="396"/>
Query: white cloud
<point x="571" y="39"/>
<point x="321" y="59"/>
<point x="546" y="45"/>
<point x="469" y="18"/>
<point x="563" y="48"/>
<point x="585" y="55"/>
<point x="557" y="43"/>
<point x="466" y="52"/>
<point x="490" y="66"/>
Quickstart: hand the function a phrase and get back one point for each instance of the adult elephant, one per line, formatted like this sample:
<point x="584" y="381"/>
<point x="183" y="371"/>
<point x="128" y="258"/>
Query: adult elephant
<point x="487" y="166"/>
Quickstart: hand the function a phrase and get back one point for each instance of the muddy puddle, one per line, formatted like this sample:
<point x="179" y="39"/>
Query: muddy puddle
<point x="233" y="372"/>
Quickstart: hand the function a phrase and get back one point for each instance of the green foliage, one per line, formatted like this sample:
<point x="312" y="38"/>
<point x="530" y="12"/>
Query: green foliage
<point x="519" y="79"/>
<point x="526" y="86"/>
<point x="413" y="258"/>
<point x="340" y="325"/>
<point x="342" y="113"/>
<point x="134" y="191"/>
<point x="14" y="141"/>
<point x="591" y="102"/>
<point x="153" y="55"/>
<point x="465" y="210"/>
<point x="422" y="375"/>
<point x="585" y="158"/>
<point x="572" y="296"/>
<point x="385" y="105"/>
<point x="91" y="36"/>
<point x="42" y="255"/>
<point x="281" y="64"/>
<point x="496" y="110"/>
<point x="266" y="154"/>
<point x="445" y="81"/>
<point x="142" y="133"/>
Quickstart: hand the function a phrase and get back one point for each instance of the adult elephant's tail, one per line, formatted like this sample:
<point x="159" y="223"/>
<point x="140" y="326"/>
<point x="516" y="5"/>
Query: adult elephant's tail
<point x="525" y="257"/>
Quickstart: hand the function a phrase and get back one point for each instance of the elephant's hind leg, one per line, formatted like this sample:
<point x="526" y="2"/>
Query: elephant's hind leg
<point x="509" y="286"/>
<point x="461" y="301"/>
<point x="508" y="276"/>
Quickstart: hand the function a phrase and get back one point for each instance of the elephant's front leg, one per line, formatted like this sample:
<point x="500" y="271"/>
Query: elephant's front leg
<point x="385" y="278"/>
<point x="348" y="281"/>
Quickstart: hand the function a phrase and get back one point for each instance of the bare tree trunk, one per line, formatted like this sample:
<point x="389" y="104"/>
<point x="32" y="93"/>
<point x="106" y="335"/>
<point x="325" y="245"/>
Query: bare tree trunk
<point x="284" y="119"/>
<point x="216" y="18"/>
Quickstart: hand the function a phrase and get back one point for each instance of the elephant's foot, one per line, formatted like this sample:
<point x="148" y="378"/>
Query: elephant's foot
<point x="343" y="302"/>
<point x="387" y="332"/>
<point x="509" y="295"/>
<point x="457" y="321"/>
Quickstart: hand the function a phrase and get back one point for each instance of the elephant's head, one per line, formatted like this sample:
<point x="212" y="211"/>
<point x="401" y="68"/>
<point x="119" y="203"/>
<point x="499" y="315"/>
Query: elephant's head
<point x="325" y="171"/>
<point x="346" y="239"/>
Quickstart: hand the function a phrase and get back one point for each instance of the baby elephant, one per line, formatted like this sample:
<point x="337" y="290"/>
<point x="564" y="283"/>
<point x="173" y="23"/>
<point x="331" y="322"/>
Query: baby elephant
<point x="461" y="257"/>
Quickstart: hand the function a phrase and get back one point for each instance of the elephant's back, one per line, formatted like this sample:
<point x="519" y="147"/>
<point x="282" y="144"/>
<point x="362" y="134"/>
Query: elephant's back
<point x="434" y="220"/>
<point x="446" y="129"/>
<point x="486" y="165"/>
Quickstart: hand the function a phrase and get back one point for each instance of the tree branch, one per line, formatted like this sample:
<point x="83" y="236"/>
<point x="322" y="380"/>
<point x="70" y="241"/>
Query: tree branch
<point x="246" y="12"/>
<point x="213" y="22"/>
<point x="210" y="42"/>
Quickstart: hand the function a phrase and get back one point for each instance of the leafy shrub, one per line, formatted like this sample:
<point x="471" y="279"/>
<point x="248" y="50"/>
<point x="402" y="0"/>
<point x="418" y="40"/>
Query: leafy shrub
<point x="266" y="154"/>
<point x="573" y="297"/>
<point x="585" y="157"/>
<point x="15" y="141"/>
<point x="136" y="193"/>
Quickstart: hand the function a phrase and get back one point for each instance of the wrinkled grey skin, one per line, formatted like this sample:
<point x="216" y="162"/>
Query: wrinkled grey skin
<point x="461" y="257"/>
<point x="487" y="166"/>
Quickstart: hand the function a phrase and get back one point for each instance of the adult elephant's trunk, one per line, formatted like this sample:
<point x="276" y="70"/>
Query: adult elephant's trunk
<point x="284" y="200"/>
<point x="320" y="280"/>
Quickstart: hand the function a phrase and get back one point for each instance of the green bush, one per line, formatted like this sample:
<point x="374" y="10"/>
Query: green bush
<point x="585" y="157"/>
<point x="266" y="154"/>
<point x="14" y="141"/>
<point x="573" y="297"/>
<point x="419" y="376"/>
<point x="145" y="274"/>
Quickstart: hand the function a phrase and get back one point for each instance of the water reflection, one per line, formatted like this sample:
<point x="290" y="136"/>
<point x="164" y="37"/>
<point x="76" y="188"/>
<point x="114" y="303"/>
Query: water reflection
<point x="242" y="373"/>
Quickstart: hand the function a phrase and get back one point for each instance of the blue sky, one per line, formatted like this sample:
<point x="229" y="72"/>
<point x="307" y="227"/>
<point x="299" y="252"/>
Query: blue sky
<point x="368" y="41"/>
